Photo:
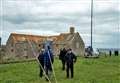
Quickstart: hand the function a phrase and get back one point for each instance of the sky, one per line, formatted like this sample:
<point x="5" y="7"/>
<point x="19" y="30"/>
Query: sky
<point x="52" y="17"/>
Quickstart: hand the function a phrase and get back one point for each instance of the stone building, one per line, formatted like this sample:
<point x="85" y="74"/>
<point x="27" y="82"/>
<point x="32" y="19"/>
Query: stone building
<point x="23" y="45"/>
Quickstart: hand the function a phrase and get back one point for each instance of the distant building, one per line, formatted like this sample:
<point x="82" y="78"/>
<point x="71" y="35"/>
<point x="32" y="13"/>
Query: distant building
<point x="23" y="45"/>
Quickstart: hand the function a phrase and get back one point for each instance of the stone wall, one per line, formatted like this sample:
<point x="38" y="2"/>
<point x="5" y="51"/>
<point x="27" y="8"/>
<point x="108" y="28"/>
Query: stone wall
<point x="30" y="49"/>
<point x="77" y="45"/>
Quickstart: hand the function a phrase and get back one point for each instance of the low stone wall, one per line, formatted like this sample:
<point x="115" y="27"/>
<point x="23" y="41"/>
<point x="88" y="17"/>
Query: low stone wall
<point x="17" y="61"/>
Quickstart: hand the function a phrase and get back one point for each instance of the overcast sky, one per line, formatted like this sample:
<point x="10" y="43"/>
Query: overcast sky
<point x="51" y="17"/>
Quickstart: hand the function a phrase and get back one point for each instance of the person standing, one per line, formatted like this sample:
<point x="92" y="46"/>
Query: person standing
<point x="110" y="53"/>
<point x="48" y="61"/>
<point x="62" y="57"/>
<point x="41" y="61"/>
<point x="70" y="59"/>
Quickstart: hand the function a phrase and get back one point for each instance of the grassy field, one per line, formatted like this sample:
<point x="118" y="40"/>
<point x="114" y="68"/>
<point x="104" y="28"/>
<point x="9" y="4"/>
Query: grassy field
<point x="101" y="70"/>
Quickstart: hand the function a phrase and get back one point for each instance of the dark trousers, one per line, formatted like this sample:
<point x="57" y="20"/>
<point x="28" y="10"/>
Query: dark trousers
<point x="41" y="69"/>
<point x="48" y="68"/>
<point x="63" y="64"/>
<point x="69" y="70"/>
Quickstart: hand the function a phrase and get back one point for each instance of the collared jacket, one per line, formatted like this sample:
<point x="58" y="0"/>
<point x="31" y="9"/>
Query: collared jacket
<point x="70" y="58"/>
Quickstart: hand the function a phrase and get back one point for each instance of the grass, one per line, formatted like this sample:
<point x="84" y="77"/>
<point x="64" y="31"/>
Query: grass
<point x="101" y="70"/>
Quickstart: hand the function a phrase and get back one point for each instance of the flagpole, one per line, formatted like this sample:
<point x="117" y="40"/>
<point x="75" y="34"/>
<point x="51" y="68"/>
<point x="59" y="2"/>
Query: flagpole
<point x="91" y="23"/>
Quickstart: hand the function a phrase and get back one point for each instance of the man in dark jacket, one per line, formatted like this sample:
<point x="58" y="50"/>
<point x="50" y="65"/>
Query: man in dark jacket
<point x="48" y="61"/>
<point x="41" y="61"/>
<point x="70" y="59"/>
<point x="62" y="57"/>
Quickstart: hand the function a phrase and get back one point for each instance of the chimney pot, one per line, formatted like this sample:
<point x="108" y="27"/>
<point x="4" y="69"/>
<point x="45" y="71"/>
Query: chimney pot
<point x="72" y="30"/>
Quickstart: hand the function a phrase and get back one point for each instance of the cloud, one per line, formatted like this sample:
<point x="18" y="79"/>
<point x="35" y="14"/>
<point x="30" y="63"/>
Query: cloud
<point x="56" y="16"/>
<point x="37" y="32"/>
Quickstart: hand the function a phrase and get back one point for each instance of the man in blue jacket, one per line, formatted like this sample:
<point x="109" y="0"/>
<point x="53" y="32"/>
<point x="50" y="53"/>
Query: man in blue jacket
<point x="48" y="61"/>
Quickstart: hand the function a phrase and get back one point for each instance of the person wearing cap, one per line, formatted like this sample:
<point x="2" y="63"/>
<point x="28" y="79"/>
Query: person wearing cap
<point x="70" y="59"/>
<point x="41" y="61"/>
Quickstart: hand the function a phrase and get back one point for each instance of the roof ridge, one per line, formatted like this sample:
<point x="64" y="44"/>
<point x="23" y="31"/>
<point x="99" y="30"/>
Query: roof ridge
<point x="61" y="37"/>
<point x="21" y="34"/>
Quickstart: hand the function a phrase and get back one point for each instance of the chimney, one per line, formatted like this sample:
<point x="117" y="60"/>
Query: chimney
<point x="72" y="30"/>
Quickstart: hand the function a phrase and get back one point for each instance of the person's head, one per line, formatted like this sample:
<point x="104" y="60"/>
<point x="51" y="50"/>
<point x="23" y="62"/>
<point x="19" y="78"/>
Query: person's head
<point x="69" y="50"/>
<point x="42" y="50"/>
